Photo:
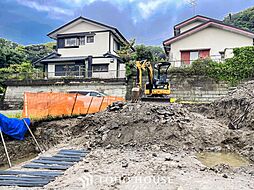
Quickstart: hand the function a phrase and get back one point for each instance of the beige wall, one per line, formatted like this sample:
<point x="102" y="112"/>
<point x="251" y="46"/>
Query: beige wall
<point x="189" y="26"/>
<point x="214" y="38"/>
<point x="98" y="48"/>
<point x="113" y="41"/>
<point x="229" y="53"/>
<point x="81" y="26"/>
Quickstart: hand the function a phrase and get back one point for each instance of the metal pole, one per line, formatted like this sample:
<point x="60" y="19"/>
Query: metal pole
<point x="33" y="136"/>
<point x="6" y="152"/>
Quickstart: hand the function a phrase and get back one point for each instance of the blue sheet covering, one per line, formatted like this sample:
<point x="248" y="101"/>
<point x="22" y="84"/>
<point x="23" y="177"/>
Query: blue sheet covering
<point x="13" y="127"/>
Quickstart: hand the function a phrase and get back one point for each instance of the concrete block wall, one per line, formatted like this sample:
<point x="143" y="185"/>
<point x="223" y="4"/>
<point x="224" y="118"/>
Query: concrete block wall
<point x="183" y="88"/>
<point x="14" y="93"/>
<point x="197" y="88"/>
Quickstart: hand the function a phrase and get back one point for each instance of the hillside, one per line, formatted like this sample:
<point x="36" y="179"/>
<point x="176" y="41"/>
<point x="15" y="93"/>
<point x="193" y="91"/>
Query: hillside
<point x="243" y="19"/>
<point x="13" y="53"/>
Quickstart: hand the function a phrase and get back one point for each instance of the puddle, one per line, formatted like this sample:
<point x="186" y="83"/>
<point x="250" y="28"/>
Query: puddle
<point x="16" y="162"/>
<point x="211" y="159"/>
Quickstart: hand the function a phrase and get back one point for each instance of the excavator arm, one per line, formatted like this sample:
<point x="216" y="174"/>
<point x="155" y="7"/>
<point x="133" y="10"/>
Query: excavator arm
<point x="148" y="66"/>
<point x="139" y="73"/>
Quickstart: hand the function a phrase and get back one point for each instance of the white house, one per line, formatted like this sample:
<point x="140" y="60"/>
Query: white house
<point x="85" y="48"/>
<point x="201" y="37"/>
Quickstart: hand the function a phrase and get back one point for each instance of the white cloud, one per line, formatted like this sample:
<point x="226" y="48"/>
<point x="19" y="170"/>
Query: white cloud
<point x="142" y="9"/>
<point x="56" y="10"/>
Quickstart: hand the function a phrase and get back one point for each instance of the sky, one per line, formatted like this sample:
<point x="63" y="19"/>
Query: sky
<point x="148" y="21"/>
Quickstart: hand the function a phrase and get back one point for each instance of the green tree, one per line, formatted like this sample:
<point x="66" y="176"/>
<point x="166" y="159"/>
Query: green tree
<point x="143" y="53"/>
<point x="35" y="52"/>
<point x="16" y="71"/>
<point x="157" y="52"/>
<point x="127" y="55"/>
<point x="243" y="19"/>
<point x="10" y="53"/>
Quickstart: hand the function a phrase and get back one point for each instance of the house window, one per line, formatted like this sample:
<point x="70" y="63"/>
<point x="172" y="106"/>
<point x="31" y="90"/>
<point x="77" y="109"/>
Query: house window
<point x="82" y="41"/>
<point x="70" y="42"/>
<point x="194" y="55"/>
<point x="116" y="46"/>
<point x="90" y="39"/>
<point x="68" y="70"/>
<point x="188" y="57"/>
<point x="100" y="68"/>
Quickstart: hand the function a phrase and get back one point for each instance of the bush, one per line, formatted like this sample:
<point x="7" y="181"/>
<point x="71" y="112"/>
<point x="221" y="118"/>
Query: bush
<point x="21" y="71"/>
<point x="232" y="70"/>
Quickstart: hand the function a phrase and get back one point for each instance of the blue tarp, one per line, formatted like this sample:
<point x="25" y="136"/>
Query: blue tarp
<point x="13" y="127"/>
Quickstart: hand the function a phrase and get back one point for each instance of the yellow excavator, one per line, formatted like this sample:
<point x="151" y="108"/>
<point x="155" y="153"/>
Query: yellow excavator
<point x="158" y="87"/>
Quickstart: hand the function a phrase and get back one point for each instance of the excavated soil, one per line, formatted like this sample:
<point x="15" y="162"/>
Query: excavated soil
<point x="225" y="125"/>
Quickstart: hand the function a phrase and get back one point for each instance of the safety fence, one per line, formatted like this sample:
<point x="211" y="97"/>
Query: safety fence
<point x="46" y="104"/>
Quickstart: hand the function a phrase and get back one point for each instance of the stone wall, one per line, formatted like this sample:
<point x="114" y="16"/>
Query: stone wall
<point x="15" y="90"/>
<point x="191" y="88"/>
<point x="197" y="88"/>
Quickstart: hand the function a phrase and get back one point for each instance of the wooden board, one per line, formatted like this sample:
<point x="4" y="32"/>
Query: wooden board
<point x="32" y="173"/>
<point x="61" y="158"/>
<point x="53" y="162"/>
<point x="43" y="166"/>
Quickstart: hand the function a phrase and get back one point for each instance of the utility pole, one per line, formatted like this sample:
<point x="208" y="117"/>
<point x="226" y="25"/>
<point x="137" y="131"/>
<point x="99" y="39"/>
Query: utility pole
<point x="193" y="4"/>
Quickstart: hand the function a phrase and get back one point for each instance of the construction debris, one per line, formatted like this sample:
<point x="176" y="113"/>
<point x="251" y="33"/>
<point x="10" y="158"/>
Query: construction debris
<point x="154" y="129"/>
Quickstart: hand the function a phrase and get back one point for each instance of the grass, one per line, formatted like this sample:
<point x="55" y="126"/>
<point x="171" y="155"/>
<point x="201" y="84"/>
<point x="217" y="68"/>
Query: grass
<point x="13" y="115"/>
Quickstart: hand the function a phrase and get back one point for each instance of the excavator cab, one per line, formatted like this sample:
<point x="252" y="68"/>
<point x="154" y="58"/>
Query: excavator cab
<point x="159" y="86"/>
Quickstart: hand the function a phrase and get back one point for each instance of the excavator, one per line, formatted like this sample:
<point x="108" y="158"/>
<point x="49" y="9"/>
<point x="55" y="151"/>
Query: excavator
<point x="158" y="87"/>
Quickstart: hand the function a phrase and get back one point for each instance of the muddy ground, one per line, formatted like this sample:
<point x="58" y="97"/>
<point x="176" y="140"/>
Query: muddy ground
<point x="137" y="140"/>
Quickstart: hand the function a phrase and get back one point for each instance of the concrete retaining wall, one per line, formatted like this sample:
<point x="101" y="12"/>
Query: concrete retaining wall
<point x="184" y="88"/>
<point x="15" y="90"/>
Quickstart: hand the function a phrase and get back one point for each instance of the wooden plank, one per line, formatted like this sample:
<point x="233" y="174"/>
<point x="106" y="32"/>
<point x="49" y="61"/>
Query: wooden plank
<point x="66" y="156"/>
<point x="75" y="151"/>
<point x="53" y="162"/>
<point x="22" y="183"/>
<point x="72" y="153"/>
<point x="14" y="178"/>
<point x="48" y="174"/>
<point x="61" y="158"/>
<point x="27" y="178"/>
<point x="43" y="166"/>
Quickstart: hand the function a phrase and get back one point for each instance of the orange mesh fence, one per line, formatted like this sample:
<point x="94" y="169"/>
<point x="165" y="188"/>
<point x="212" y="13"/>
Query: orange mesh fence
<point x="41" y="105"/>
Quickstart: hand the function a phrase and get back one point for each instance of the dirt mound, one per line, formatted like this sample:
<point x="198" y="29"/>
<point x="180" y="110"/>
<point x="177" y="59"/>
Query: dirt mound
<point x="152" y="125"/>
<point x="237" y="109"/>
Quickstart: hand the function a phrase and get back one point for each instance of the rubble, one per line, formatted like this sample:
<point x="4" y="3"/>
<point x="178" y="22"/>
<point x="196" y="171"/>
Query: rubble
<point x="158" y="128"/>
<point x="116" y="106"/>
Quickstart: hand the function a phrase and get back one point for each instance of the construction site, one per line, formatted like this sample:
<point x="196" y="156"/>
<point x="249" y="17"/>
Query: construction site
<point x="166" y="105"/>
<point x="150" y="145"/>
